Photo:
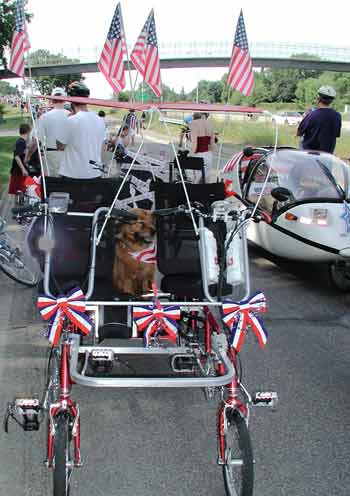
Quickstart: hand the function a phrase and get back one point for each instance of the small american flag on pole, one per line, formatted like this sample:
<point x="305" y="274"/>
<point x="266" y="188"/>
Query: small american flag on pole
<point x="111" y="61"/>
<point x="145" y="55"/>
<point x="240" y="75"/>
<point x="20" y="41"/>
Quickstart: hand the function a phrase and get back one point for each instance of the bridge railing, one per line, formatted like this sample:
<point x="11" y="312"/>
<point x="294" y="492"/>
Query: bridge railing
<point x="221" y="48"/>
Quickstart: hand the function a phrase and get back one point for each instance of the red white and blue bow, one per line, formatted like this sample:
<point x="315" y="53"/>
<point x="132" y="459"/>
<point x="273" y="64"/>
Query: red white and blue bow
<point x="55" y="309"/>
<point x="237" y="316"/>
<point x="155" y="318"/>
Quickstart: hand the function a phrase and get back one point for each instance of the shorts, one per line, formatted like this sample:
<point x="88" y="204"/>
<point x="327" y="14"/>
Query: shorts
<point x="16" y="184"/>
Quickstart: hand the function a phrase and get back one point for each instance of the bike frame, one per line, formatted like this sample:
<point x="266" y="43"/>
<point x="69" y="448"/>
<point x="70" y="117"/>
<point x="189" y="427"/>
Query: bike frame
<point x="65" y="406"/>
<point x="230" y="401"/>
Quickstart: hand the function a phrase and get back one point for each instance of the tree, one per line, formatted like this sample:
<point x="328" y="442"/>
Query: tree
<point x="7" y="89"/>
<point x="45" y="84"/>
<point x="7" y="25"/>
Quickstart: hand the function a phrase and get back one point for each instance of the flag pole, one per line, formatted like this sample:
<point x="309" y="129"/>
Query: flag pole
<point x="127" y="59"/>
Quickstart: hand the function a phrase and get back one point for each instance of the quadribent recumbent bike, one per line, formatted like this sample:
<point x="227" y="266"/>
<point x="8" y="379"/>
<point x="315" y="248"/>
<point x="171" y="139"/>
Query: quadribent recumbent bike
<point x="194" y="325"/>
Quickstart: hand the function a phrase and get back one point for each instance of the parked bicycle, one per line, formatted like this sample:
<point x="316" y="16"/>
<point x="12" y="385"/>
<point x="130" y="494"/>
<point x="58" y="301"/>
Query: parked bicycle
<point x="13" y="260"/>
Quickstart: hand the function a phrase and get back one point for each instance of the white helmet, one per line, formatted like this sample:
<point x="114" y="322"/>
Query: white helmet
<point x="58" y="92"/>
<point x="327" y="92"/>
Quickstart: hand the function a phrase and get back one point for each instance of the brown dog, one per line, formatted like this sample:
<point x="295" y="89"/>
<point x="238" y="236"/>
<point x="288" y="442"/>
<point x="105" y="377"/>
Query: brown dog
<point x="134" y="261"/>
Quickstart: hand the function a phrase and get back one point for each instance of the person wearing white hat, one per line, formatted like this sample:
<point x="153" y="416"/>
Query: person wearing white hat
<point x="49" y="125"/>
<point x="321" y="127"/>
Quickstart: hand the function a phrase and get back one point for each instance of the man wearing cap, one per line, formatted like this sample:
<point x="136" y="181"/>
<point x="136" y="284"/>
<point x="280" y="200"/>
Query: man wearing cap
<point x="49" y="125"/>
<point x="321" y="127"/>
<point x="81" y="138"/>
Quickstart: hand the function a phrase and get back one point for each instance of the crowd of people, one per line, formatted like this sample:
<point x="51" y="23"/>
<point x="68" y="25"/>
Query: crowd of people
<point x="74" y="137"/>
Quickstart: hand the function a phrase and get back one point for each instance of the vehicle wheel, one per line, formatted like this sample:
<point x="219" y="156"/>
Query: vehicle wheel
<point x="14" y="265"/>
<point x="53" y="379"/>
<point x="339" y="274"/>
<point x="62" y="457"/>
<point x="238" y="468"/>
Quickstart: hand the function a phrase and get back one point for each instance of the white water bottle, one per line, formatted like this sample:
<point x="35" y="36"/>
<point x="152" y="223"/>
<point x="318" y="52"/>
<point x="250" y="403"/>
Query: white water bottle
<point x="211" y="256"/>
<point x="234" y="261"/>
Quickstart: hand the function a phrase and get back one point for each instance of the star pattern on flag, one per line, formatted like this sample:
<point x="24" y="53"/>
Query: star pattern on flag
<point x="152" y="35"/>
<point x="115" y="30"/>
<point x="346" y="217"/>
<point x="241" y="39"/>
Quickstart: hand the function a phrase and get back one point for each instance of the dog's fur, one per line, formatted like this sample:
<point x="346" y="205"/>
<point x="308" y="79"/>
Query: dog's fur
<point x="131" y="276"/>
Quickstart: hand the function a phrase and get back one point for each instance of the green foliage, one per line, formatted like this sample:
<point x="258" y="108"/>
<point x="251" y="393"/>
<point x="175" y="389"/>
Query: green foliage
<point x="6" y="88"/>
<point x="7" y="24"/>
<point x="45" y="84"/>
<point x="13" y="119"/>
<point x="6" y="154"/>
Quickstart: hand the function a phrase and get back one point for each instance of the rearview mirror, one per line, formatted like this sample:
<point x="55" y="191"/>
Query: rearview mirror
<point x="281" y="194"/>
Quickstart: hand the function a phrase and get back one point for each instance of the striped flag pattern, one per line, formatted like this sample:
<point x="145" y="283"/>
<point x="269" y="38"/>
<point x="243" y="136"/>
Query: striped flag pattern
<point x="20" y="41"/>
<point x="231" y="164"/>
<point x="145" y="55"/>
<point x="240" y="75"/>
<point x="111" y="62"/>
<point x="147" y="255"/>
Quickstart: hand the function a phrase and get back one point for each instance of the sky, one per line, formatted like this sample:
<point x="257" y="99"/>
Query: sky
<point x="65" y="24"/>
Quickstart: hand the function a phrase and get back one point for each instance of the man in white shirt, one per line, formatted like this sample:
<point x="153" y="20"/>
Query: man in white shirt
<point x="49" y="125"/>
<point x="81" y="138"/>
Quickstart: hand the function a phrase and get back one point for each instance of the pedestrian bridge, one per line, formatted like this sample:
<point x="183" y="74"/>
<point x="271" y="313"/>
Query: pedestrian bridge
<point x="180" y="54"/>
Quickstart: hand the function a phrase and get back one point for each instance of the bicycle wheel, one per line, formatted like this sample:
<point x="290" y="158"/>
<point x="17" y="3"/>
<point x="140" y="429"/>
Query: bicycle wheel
<point x="238" y="468"/>
<point x="62" y="470"/>
<point x="52" y="390"/>
<point x="13" y="263"/>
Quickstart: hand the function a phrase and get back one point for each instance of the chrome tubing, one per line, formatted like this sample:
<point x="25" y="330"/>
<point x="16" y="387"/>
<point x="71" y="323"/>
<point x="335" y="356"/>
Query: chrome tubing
<point x="219" y="346"/>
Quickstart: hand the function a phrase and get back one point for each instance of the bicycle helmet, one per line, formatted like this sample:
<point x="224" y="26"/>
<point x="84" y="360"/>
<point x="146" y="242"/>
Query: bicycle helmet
<point x="78" y="88"/>
<point x="327" y="92"/>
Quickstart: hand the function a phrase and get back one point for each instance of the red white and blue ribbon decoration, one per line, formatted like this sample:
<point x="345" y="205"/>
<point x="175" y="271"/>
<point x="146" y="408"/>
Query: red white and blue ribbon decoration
<point x="155" y="318"/>
<point x="237" y="316"/>
<point x="55" y="309"/>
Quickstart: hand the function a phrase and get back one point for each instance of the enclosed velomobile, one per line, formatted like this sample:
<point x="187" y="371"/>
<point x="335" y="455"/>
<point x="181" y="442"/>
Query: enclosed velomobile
<point x="306" y="194"/>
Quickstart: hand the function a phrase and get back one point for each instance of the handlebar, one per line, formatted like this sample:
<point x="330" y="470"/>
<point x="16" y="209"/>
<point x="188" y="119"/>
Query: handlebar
<point x="123" y="215"/>
<point x="26" y="210"/>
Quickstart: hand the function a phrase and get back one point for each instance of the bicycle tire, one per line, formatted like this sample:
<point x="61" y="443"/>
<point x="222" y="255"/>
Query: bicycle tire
<point x="16" y="268"/>
<point x="61" y="472"/>
<point x="239" y="479"/>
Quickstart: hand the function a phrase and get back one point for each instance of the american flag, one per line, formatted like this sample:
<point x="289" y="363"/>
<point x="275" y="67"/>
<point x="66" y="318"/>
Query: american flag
<point x="111" y="61"/>
<point x="145" y="55"/>
<point x="240" y="74"/>
<point x="231" y="164"/>
<point x="20" y="41"/>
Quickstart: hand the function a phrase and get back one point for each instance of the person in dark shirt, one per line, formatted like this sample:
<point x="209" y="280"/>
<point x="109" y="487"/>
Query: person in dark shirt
<point x="321" y="127"/>
<point x="18" y="169"/>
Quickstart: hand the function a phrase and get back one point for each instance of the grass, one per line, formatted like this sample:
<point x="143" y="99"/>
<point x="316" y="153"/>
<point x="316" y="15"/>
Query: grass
<point x="13" y="119"/>
<point x="6" y="154"/>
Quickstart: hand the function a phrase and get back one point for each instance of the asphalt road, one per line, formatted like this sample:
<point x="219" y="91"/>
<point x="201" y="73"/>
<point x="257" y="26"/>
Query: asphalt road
<point x="163" y="442"/>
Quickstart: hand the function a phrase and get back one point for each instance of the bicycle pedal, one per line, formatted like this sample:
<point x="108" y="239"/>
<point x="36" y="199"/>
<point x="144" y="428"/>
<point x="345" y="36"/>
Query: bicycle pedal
<point x="182" y="363"/>
<point x="101" y="358"/>
<point x="25" y="412"/>
<point x="265" y="398"/>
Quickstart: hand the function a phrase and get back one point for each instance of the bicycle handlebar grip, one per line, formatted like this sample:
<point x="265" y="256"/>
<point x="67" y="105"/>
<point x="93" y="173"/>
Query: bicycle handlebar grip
<point x="25" y="209"/>
<point x="123" y="215"/>
<point x="166" y="211"/>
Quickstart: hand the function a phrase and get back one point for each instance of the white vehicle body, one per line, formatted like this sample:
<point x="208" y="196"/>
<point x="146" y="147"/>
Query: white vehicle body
<point x="313" y="222"/>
